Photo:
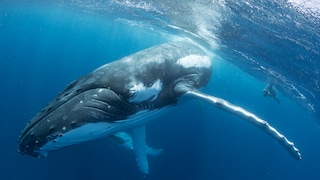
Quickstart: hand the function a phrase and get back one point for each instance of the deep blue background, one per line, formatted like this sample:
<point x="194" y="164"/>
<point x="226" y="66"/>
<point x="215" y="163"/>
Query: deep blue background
<point x="43" y="48"/>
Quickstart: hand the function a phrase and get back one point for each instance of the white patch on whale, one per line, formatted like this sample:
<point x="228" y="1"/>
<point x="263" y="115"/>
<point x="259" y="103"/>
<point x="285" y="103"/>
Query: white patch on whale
<point x="141" y="92"/>
<point x="194" y="61"/>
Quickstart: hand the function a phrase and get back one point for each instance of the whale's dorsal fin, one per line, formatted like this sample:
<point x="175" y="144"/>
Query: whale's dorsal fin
<point x="248" y="116"/>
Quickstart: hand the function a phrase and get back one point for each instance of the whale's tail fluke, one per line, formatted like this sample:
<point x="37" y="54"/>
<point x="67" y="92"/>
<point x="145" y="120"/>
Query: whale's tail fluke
<point x="135" y="140"/>
<point x="250" y="117"/>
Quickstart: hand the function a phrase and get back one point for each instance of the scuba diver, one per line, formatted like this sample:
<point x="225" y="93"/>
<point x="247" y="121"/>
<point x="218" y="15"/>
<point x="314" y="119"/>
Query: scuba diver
<point x="269" y="91"/>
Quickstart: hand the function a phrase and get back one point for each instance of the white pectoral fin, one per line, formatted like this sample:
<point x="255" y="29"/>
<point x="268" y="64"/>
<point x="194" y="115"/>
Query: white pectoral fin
<point x="140" y="148"/>
<point x="250" y="117"/>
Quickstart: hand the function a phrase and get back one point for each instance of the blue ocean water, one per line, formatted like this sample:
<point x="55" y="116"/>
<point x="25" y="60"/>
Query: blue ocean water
<point x="46" y="45"/>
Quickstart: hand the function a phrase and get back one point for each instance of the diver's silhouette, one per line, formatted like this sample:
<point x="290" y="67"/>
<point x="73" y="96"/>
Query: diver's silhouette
<point x="269" y="91"/>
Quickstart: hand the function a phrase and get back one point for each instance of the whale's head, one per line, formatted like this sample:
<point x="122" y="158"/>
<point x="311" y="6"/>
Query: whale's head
<point x="102" y="102"/>
<point x="52" y="128"/>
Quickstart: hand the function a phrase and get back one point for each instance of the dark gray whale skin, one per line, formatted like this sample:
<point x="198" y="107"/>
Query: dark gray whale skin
<point x="107" y="95"/>
<point x="127" y="94"/>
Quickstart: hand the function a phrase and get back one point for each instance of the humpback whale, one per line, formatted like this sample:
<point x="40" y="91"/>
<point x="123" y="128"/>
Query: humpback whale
<point x="124" y="95"/>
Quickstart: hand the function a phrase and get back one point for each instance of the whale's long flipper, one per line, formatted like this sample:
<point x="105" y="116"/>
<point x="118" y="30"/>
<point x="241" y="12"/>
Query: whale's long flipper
<point x="250" y="117"/>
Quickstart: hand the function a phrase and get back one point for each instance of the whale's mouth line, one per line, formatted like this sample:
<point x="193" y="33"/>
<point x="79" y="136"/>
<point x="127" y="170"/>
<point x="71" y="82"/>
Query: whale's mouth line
<point x="42" y="150"/>
<point x="49" y="111"/>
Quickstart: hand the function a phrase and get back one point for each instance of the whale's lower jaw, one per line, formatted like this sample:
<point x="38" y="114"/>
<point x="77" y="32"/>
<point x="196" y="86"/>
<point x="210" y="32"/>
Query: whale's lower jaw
<point x="84" y="133"/>
<point x="91" y="131"/>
